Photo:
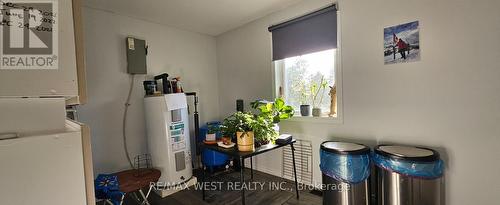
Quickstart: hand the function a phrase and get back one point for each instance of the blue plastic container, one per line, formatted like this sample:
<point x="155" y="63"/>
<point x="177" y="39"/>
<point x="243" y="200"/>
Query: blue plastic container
<point x="212" y="159"/>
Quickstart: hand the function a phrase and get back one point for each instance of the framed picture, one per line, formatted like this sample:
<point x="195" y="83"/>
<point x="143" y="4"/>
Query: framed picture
<point x="402" y="43"/>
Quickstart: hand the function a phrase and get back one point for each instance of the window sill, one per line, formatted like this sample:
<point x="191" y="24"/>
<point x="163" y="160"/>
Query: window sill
<point x="326" y="120"/>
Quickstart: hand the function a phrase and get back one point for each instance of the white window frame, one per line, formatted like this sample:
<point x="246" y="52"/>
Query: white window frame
<point x="278" y="68"/>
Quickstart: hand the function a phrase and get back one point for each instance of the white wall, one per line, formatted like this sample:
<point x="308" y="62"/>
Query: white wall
<point x="448" y="101"/>
<point x="244" y="58"/>
<point x="179" y="53"/>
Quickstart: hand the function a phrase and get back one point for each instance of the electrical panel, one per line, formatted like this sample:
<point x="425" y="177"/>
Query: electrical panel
<point x="136" y="56"/>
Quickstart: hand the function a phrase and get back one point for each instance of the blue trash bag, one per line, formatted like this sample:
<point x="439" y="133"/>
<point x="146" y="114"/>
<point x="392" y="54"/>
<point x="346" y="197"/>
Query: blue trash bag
<point x="426" y="170"/>
<point x="352" y="169"/>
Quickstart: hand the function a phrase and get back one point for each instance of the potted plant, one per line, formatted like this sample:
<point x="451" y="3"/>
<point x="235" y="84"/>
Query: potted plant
<point x="270" y="114"/>
<point x="264" y="130"/>
<point x="240" y="125"/>
<point x="305" y="109"/>
<point x="211" y="133"/>
<point x="228" y="132"/>
<point x="227" y="128"/>
<point x="316" y="100"/>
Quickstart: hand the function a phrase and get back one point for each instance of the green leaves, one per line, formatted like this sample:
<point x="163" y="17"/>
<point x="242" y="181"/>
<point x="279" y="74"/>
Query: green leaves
<point x="266" y="108"/>
<point x="261" y="124"/>
<point x="284" y="116"/>
<point x="279" y="103"/>
<point x="212" y="129"/>
<point x="263" y="129"/>
<point x="237" y="122"/>
<point x="274" y="111"/>
<point x="315" y="90"/>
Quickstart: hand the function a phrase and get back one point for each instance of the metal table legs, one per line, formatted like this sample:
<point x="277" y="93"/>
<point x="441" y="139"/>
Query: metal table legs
<point x="242" y="175"/>
<point x="295" y="171"/>
<point x="251" y="167"/>
<point x="203" y="180"/>
<point x="242" y="179"/>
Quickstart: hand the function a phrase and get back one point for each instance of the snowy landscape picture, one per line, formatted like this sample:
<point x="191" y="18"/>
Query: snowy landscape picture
<point x="401" y="43"/>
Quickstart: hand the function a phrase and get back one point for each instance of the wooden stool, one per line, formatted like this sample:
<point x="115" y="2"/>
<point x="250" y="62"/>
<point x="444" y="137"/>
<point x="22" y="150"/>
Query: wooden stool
<point x="134" y="180"/>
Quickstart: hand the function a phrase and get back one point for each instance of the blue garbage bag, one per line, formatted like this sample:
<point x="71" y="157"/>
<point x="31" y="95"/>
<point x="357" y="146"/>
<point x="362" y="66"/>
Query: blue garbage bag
<point x="351" y="169"/>
<point x="426" y="170"/>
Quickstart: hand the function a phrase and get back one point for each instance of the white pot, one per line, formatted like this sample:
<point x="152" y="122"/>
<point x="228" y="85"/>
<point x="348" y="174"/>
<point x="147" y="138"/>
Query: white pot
<point x="210" y="137"/>
<point x="276" y="128"/>
<point x="316" y="112"/>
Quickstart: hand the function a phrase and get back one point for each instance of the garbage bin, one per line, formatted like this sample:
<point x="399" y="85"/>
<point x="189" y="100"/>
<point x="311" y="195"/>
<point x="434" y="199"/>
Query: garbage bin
<point x="345" y="170"/>
<point x="408" y="175"/>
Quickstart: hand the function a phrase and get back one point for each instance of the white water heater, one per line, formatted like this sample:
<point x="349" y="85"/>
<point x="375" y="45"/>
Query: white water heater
<point x="167" y="124"/>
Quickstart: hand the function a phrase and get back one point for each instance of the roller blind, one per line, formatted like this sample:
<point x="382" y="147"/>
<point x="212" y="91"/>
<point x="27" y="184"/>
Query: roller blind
<point x="313" y="32"/>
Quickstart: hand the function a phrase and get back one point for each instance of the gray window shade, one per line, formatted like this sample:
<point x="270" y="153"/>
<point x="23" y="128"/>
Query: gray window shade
<point x="310" y="33"/>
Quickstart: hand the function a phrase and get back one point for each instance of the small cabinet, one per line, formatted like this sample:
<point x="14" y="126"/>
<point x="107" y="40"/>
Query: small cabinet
<point x="65" y="79"/>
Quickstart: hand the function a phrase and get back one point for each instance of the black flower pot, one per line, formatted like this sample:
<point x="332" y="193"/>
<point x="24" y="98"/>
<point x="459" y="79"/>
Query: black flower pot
<point x="305" y="110"/>
<point x="260" y="143"/>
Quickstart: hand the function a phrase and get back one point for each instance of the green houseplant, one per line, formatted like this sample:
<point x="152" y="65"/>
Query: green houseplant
<point x="264" y="131"/>
<point x="305" y="108"/>
<point x="316" y="89"/>
<point x="275" y="111"/>
<point x="270" y="114"/>
<point x="241" y="125"/>
<point x="211" y="132"/>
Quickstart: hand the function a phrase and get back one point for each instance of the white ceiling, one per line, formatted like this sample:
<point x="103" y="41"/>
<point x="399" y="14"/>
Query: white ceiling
<point x="211" y="17"/>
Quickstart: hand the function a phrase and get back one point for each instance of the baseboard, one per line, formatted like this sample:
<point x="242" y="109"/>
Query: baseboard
<point x="167" y="192"/>
<point x="266" y="170"/>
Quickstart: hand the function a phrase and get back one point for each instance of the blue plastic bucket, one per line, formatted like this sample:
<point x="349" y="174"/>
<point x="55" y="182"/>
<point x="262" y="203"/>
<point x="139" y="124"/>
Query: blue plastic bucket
<point x="210" y="158"/>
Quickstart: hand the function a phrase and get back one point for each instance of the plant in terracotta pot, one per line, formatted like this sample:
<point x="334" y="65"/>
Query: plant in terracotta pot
<point x="241" y="125"/>
<point x="317" y="93"/>
<point x="270" y="115"/>
<point x="228" y="133"/>
<point x="226" y="140"/>
<point x="227" y="128"/>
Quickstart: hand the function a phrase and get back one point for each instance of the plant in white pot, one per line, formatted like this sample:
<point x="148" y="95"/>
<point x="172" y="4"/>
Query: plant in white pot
<point x="317" y="93"/>
<point x="211" y="133"/>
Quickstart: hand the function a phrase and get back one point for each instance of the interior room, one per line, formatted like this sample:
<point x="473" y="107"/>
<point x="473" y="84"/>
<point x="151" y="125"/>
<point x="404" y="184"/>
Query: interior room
<point x="282" y="102"/>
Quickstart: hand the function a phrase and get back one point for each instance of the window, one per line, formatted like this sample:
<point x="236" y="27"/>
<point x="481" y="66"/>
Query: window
<point x="305" y="62"/>
<point x="308" y="80"/>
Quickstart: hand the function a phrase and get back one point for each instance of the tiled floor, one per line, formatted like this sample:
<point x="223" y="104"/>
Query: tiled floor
<point x="260" y="195"/>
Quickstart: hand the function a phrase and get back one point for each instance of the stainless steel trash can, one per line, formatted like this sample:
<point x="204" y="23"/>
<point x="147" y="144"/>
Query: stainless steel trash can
<point x="408" y="175"/>
<point x="345" y="170"/>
